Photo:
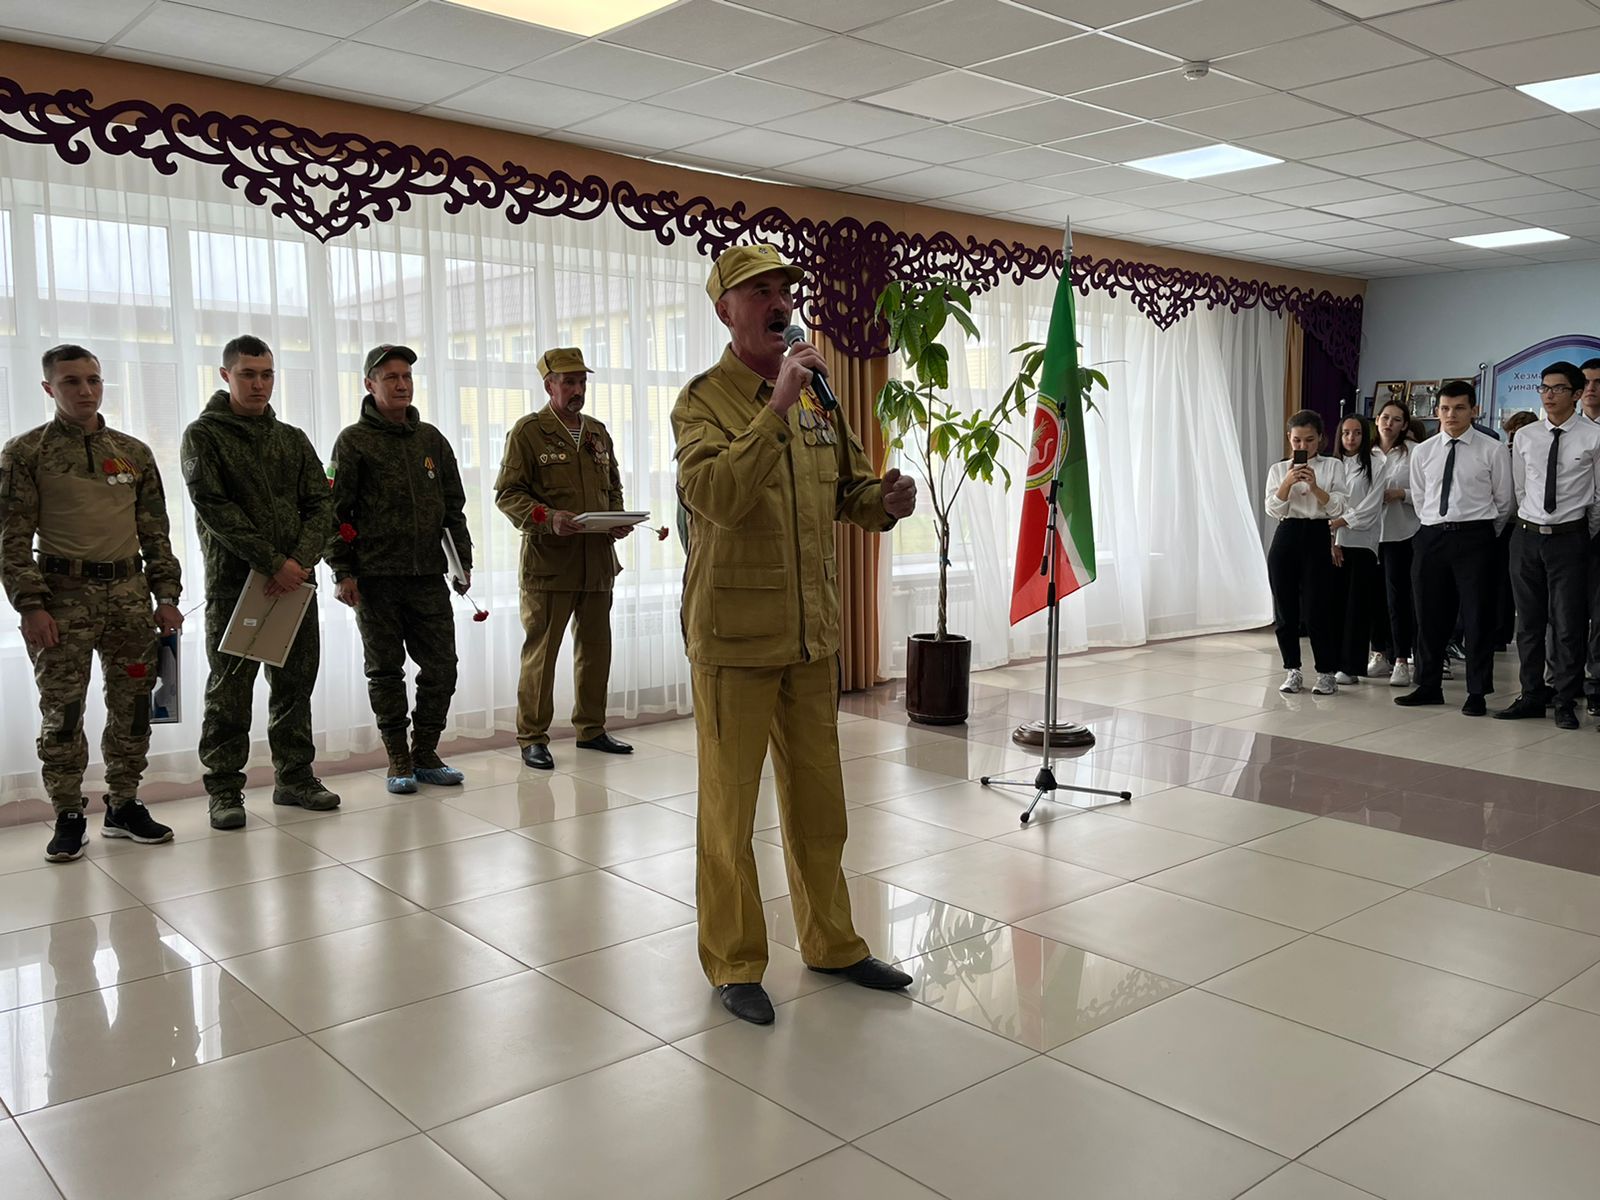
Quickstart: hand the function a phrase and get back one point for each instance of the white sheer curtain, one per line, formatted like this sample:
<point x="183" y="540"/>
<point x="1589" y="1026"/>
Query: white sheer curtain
<point x="1253" y="353"/>
<point x="155" y="273"/>
<point x="1176" y="536"/>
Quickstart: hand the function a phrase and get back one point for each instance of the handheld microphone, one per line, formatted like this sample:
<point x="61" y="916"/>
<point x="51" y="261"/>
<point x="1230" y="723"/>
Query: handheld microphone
<point x="819" y="381"/>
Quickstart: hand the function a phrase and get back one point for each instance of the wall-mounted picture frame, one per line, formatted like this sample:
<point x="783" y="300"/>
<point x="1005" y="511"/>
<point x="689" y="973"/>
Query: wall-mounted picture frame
<point x="1423" y="396"/>
<point x="1472" y="379"/>
<point x="1386" y="390"/>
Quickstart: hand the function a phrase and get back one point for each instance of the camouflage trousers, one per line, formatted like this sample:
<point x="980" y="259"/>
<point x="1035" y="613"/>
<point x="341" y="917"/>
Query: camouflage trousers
<point x="400" y="615"/>
<point x="230" y="697"/>
<point x="114" y="620"/>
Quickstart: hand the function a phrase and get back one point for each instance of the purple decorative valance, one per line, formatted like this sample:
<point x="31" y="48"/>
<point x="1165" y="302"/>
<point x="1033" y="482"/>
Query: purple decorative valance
<point x="331" y="183"/>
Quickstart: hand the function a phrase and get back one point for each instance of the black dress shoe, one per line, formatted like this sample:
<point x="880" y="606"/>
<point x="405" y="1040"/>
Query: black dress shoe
<point x="1566" y="716"/>
<point x="1475" y="707"/>
<point x="1423" y="695"/>
<point x="747" y="1001"/>
<point x="871" y="972"/>
<point x="1592" y="706"/>
<point x="1522" y="708"/>
<point x="606" y="744"/>
<point x="538" y="757"/>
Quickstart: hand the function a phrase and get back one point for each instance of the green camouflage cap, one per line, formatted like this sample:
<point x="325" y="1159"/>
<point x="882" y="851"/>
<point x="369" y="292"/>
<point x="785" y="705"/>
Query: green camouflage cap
<point x="739" y="263"/>
<point x="379" y="355"/>
<point x="561" y="361"/>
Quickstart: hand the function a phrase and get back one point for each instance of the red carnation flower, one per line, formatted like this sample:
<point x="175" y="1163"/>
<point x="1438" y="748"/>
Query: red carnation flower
<point x="663" y="534"/>
<point x="481" y="615"/>
<point x="347" y="531"/>
<point x="136" y="671"/>
<point x="540" y="514"/>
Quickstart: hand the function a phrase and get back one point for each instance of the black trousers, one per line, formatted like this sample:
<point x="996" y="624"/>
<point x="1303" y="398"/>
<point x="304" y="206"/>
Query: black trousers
<point x="1304" y="586"/>
<point x="1453" y="570"/>
<point x="1505" y="602"/>
<point x="1361" y="594"/>
<point x="1591" y="671"/>
<point x="1401" y="603"/>
<point x="1549" y="575"/>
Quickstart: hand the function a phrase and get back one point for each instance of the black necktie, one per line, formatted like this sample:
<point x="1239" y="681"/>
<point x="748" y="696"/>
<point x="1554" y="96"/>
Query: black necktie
<point x="1449" y="474"/>
<point x="1550" y="470"/>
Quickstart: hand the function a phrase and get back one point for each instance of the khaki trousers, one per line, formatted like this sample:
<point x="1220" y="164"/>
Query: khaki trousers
<point x="545" y="616"/>
<point x="738" y="711"/>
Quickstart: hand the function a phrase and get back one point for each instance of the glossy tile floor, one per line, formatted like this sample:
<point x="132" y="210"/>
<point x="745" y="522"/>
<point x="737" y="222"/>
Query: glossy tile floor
<point x="1332" y="949"/>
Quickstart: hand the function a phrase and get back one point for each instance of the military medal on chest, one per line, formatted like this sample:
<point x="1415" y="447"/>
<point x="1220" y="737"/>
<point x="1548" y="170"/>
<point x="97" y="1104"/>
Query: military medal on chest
<point x="428" y="464"/>
<point x="117" y="470"/>
<point x="816" y="425"/>
<point x="597" y="451"/>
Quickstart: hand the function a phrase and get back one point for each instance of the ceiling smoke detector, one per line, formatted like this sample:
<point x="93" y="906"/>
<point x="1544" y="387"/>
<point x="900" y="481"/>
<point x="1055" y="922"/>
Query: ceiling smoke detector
<point x="1196" y="70"/>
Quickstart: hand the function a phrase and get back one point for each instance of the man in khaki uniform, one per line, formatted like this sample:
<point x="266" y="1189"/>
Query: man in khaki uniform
<point x="764" y="471"/>
<point x="559" y="463"/>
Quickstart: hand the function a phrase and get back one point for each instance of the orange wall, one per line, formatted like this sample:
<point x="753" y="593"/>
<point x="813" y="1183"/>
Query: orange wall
<point x="39" y="68"/>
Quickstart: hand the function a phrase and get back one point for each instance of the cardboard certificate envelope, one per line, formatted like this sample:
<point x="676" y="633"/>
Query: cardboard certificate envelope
<point x="264" y="627"/>
<point x="594" y="522"/>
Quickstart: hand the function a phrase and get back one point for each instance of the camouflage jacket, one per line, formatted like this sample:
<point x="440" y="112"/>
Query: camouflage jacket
<point x="62" y="449"/>
<point x="259" y="494"/>
<point x="396" y="488"/>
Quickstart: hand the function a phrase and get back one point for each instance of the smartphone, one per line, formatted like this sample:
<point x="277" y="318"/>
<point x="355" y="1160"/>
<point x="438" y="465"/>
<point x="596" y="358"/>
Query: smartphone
<point x="1299" y="458"/>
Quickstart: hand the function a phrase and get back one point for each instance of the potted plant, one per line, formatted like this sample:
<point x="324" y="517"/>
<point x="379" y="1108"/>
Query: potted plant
<point x="948" y="447"/>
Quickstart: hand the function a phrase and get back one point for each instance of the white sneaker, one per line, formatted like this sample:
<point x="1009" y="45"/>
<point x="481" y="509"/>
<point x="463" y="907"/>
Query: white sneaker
<point x="1402" y="676"/>
<point x="1292" y="682"/>
<point x="1346" y="678"/>
<point x="1326" y="685"/>
<point x="1378" y="665"/>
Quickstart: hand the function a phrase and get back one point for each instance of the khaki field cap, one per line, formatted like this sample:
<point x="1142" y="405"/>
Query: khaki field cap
<point x="560" y="361"/>
<point x="379" y="355"/>
<point x="739" y="263"/>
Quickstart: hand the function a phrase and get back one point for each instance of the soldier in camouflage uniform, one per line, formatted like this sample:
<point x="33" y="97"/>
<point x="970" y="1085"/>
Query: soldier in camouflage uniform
<point x="396" y="492"/>
<point x="261" y="503"/>
<point x="93" y="497"/>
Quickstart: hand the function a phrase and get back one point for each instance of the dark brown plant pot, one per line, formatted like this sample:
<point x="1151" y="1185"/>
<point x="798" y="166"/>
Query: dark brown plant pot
<point x="937" y="674"/>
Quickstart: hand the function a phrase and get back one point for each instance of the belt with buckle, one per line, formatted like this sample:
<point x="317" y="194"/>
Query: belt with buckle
<point x="1464" y="525"/>
<point x="1578" y="526"/>
<point x="83" y="569"/>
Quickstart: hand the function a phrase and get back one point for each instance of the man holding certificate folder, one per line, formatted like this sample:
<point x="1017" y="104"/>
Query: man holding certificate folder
<point x="397" y="495"/>
<point x="559" y="463"/>
<point x="261" y="504"/>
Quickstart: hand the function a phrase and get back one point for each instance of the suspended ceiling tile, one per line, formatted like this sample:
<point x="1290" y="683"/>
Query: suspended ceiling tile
<point x="1398" y="157"/>
<point x="963" y="32"/>
<point x="1473" y="24"/>
<point x="509" y="98"/>
<point x="1377" y="206"/>
<point x="1102" y="181"/>
<point x="1216" y="28"/>
<point x="657" y="128"/>
<point x="1012" y="196"/>
<point x="1538" y="58"/>
<point x="1049" y="122"/>
<point x="1396" y="87"/>
<point x="1229" y="207"/>
<point x="735" y="97"/>
<point x="1267" y="179"/>
<point x="1288" y="218"/>
<point x="1097" y="14"/>
<point x="1460" y="113"/>
<point x="392" y="74"/>
<point x="338" y="20"/>
<point x="1491" y="189"/>
<point x="849" y="124"/>
<point x="1585" y="178"/>
<point x="932" y="182"/>
<point x="1176" y="196"/>
<point x="1542" y="202"/>
<point x="951" y="144"/>
<point x="1423" y="179"/>
<point x="1031" y="163"/>
<point x="1313" y="141"/>
<point x="1552" y="158"/>
<point x="1432" y="218"/>
<point x="954" y="96"/>
<point x="758" y="148"/>
<point x="1390" y="239"/>
<point x="1193" y="231"/>
<point x="1162" y="95"/>
<point x="1138" y="221"/>
<point x="1264" y="114"/>
<point x="1333" y="191"/>
<point x="850" y="167"/>
<point x="1131" y="142"/>
<point x="1098" y="208"/>
<point x="845" y="68"/>
<point x="714" y="35"/>
<point x="175" y="31"/>
<point x="1319" y="58"/>
<point x="1085" y="62"/>
<point x="463" y="35"/>
<point x="841" y="16"/>
<point x="622" y="72"/>
<point x="1559" y="130"/>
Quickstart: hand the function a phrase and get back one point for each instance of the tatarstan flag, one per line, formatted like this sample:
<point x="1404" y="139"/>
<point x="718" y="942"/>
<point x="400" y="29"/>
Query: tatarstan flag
<point x="1057" y="444"/>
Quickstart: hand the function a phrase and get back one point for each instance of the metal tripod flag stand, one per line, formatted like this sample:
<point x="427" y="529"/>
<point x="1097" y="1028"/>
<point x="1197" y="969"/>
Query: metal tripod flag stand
<point x="1058" y="449"/>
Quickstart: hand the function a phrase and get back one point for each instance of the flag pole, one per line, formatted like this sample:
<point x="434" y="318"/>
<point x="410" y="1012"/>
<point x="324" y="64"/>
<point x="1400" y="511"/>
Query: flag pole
<point x="1044" y="784"/>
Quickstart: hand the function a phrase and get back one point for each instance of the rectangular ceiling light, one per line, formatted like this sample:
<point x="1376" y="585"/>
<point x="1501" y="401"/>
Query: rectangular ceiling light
<point x="1510" y="237"/>
<point x="582" y="17"/>
<point x="1576" y="93"/>
<point x="1206" y="160"/>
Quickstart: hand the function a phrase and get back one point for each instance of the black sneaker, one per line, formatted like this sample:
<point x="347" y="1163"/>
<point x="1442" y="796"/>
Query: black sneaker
<point x="133" y="821"/>
<point x="72" y="835"/>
